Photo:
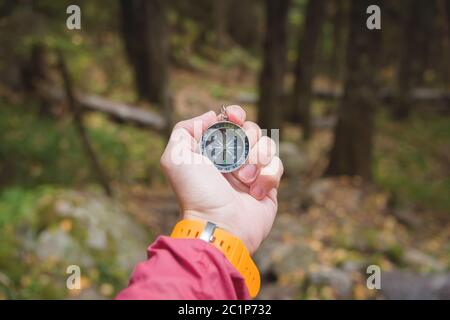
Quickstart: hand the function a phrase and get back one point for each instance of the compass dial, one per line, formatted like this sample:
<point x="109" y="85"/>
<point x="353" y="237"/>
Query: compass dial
<point x="226" y="145"/>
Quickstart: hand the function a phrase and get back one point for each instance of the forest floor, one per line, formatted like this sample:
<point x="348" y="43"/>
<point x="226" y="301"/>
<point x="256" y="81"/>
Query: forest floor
<point x="327" y="232"/>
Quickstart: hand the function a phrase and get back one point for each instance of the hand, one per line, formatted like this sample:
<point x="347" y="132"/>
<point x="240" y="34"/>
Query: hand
<point x="243" y="202"/>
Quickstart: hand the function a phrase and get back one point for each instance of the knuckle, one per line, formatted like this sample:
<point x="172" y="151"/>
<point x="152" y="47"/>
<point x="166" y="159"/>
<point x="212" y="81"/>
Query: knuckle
<point x="235" y="107"/>
<point x="179" y="124"/>
<point x="266" y="150"/>
<point x="253" y="131"/>
<point x="274" y="169"/>
<point x="163" y="161"/>
<point x="254" y="126"/>
<point x="273" y="180"/>
<point x="269" y="177"/>
<point x="269" y="144"/>
<point x="278" y="162"/>
<point x="279" y="165"/>
<point x="264" y="140"/>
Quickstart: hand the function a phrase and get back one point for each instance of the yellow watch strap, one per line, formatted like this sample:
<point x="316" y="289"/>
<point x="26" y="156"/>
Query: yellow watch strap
<point x="232" y="247"/>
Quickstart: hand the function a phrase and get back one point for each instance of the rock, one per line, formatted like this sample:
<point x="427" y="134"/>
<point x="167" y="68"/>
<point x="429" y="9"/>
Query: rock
<point x="408" y="218"/>
<point x="421" y="261"/>
<point x="277" y="292"/>
<point x="353" y="266"/>
<point x="91" y="231"/>
<point x="283" y="250"/>
<point x="404" y="285"/>
<point x="321" y="190"/>
<point x="294" y="160"/>
<point x="292" y="258"/>
<point x="88" y="294"/>
<point x="107" y="227"/>
<point x="57" y="245"/>
<point x="318" y="191"/>
<point x="283" y="256"/>
<point x="340" y="281"/>
<point x="84" y="229"/>
<point x="4" y="280"/>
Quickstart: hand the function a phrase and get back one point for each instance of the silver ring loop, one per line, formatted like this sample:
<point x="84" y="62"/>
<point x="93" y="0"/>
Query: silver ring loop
<point x="223" y="116"/>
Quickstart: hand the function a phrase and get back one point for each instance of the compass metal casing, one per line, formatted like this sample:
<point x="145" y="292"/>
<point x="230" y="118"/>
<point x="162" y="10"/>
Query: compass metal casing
<point x="226" y="145"/>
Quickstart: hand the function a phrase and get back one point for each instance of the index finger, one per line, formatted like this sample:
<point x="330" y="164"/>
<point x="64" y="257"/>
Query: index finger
<point x="236" y="114"/>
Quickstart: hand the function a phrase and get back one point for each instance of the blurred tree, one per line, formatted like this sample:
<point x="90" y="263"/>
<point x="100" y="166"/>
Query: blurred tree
<point x="35" y="71"/>
<point x="145" y="34"/>
<point x="444" y="11"/>
<point x="351" y="153"/>
<point x="245" y="23"/>
<point x="37" y="67"/>
<point x="80" y="127"/>
<point x="304" y="71"/>
<point x="427" y="48"/>
<point x="271" y="79"/>
<point x="407" y="74"/>
<point x="220" y="19"/>
<point x="339" y="22"/>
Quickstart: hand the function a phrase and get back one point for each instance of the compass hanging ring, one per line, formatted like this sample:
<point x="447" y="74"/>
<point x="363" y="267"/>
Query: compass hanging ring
<point x="223" y="115"/>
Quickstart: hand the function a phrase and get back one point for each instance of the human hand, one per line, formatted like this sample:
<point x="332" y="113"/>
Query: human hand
<point x="243" y="202"/>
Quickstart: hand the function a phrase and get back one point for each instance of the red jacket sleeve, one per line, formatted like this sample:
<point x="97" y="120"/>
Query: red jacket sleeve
<point x="184" y="269"/>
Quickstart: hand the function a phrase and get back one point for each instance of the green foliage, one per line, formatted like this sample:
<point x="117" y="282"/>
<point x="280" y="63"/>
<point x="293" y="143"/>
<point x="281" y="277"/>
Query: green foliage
<point x="395" y="253"/>
<point x="36" y="150"/>
<point x="238" y="57"/>
<point x="412" y="160"/>
<point x="16" y="204"/>
<point x="17" y="211"/>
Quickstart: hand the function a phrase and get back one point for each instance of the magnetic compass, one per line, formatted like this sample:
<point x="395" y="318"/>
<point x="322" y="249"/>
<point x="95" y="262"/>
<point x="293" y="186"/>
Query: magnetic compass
<point x="225" y="144"/>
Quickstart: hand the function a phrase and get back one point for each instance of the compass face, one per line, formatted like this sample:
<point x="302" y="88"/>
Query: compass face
<point x="226" y="145"/>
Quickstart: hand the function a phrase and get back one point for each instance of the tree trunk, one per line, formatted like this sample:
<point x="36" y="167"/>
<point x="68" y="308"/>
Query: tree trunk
<point x="103" y="179"/>
<point x="339" y="22"/>
<point x="220" y="22"/>
<point x="443" y="9"/>
<point x="145" y="34"/>
<point x="270" y="110"/>
<point x="407" y="71"/>
<point x="116" y="111"/>
<point x="245" y="22"/>
<point x="307" y="48"/>
<point x="36" y="71"/>
<point x="351" y="153"/>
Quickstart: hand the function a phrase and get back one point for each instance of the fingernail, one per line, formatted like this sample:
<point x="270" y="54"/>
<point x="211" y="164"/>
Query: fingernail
<point x="257" y="192"/>
<point x="248" y="173"/>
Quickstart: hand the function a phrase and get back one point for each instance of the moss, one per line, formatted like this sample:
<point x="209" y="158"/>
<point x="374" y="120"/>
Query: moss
<point x="395" y="254"/>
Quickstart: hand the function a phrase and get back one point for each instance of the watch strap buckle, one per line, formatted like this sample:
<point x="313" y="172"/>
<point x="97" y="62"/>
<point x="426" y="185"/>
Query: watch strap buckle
<point x="208" y="232"/>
